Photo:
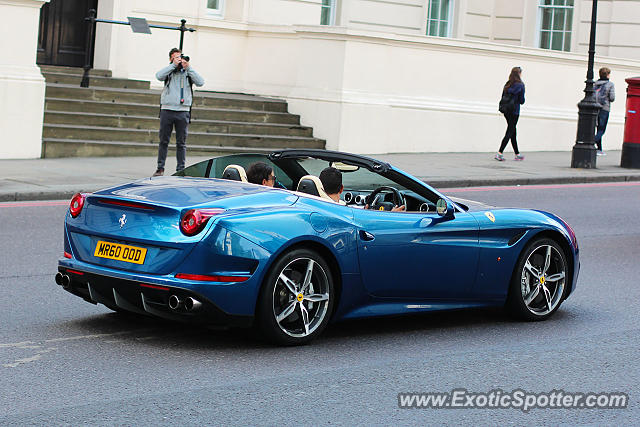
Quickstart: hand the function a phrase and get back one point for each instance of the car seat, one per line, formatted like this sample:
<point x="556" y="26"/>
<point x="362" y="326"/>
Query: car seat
<point x="311" y="184"/>
<point x="235" y="173"/>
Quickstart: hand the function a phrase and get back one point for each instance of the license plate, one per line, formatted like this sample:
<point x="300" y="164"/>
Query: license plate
<point x="120" y="252"/>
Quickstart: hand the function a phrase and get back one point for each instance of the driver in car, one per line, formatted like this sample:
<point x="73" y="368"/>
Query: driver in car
<point x="396" y="208"/>
<point x="331" y="179"/>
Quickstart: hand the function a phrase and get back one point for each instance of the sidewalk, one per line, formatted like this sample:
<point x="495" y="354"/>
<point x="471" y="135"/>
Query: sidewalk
<point x="53" y="179"/>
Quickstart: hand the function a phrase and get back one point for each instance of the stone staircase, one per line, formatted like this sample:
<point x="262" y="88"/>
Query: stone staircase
<point x="119" y="117"/>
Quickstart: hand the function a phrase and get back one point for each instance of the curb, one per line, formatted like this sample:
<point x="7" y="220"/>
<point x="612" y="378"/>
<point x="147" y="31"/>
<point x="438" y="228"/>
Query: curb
<point x="58" y="194"/>
<point x="462" y="183"/>
<point x="28" y="196"/>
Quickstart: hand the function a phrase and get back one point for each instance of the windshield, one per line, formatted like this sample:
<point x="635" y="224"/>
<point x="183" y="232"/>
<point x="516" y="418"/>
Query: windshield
<point x="358" y="180"/>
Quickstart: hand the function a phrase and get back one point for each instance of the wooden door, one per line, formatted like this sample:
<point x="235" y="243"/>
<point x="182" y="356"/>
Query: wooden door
<point x="62" y="35"/>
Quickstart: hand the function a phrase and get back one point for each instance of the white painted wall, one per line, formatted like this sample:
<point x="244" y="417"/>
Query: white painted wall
<point x="21" y="83"/>
<point x="373" y="92"/>
<point x="372" y="84"/>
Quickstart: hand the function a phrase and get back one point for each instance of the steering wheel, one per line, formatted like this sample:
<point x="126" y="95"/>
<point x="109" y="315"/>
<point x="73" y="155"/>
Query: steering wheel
<point x="375" y="202"/>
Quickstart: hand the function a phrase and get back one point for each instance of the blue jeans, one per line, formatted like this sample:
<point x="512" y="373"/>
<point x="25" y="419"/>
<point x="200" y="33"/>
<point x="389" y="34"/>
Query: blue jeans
<point x="603" y="118"/>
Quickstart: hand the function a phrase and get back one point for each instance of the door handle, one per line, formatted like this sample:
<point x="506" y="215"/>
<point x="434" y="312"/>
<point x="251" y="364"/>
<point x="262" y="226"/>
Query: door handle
<point x="425" y="222"/>
<point x="366" y="236"/>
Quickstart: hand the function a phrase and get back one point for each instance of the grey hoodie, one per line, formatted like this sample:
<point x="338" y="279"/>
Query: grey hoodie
<point x="609" y="94"/>
<point x="170" y="99"/>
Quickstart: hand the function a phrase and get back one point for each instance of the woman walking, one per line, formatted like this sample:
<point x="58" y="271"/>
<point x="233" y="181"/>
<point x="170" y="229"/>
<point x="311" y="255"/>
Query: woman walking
<point x="512" y="98"/>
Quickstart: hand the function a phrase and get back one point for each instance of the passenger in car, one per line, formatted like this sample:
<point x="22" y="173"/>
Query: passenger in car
<point x="261" y="173"/>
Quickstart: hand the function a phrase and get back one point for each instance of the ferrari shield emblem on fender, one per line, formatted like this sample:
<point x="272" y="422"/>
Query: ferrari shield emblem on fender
<point x="491" y="217"/>
<point x="123" y="220"/>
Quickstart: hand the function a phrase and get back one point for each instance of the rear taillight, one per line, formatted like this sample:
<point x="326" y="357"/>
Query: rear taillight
<point x="194" y="220"/>
<point x="207" y="278"/>
<point x="76" y="205"/>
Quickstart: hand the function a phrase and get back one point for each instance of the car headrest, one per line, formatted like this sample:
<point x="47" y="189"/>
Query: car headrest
<point x="311" y="184"/>
<point x="235" y="173"/>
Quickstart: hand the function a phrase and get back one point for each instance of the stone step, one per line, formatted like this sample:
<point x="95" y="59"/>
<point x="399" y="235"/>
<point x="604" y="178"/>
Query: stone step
<point x="144" y="122"/>
<point x="119" y="117"/>
<point x="152" y="97"/>
<point x="97" y="133"/>
<point x="73" y="70"/>
<point x="198" y="113"/>
<point x="95" y="81"/>
<point x="54" y="147"/>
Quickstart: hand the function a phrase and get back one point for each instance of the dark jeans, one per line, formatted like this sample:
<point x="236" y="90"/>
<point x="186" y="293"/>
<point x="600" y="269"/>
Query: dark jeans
<point x="168" y="120"/>
<point x="510" y="134"/>
<point x="603" y="119"/>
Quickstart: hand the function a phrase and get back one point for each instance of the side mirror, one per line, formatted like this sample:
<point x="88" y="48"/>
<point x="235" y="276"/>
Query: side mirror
<point x="445" y="208"/>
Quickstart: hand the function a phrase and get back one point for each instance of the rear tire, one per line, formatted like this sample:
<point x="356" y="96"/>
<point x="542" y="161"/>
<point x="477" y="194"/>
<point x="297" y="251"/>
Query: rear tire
<point x="539" y="281"/>
<point x="296" y="299"/>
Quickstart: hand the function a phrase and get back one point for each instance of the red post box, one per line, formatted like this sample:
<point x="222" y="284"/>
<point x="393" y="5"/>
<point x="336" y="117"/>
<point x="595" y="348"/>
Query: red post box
<point x="631" y="141"/>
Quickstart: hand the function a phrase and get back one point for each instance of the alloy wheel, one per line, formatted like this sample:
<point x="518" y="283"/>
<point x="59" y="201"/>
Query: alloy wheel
<point x="301" y="297"/>
<point x="542" y="280"/>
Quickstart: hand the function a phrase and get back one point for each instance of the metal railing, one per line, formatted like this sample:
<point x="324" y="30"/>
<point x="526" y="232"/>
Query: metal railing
<point x="138" y="25"/>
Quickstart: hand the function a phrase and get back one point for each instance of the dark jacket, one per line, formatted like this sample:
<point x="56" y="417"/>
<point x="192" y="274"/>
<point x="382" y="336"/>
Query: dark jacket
<point x="517" y="90"/>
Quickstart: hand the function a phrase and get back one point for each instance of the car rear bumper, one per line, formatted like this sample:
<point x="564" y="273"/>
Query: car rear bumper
<point x="135" y="296"/>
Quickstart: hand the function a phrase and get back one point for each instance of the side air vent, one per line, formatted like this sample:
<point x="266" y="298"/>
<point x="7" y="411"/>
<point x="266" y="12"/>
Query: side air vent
<point x="515" y="238"/>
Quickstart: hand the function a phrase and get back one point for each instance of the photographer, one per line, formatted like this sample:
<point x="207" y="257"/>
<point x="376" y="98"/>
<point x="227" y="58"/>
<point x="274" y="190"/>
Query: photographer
<point x="175" y="106"/>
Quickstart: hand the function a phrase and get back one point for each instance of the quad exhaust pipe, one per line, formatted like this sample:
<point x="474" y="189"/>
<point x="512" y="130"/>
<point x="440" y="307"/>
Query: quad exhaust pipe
<point x="63" y="280"/>
<point x="175" y="302"/>
<point x="192" y="304"/>
<point x="189" y="303"/>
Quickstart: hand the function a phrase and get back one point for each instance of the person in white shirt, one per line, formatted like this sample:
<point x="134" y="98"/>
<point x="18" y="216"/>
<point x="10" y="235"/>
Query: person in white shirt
<point x="331" y="179"/>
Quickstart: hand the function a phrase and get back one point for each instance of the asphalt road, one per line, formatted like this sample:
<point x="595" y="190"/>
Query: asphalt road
<point x="66" y="362"/>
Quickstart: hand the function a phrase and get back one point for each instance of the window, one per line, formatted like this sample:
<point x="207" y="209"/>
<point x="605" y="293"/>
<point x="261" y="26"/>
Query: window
<point x="214" y="7"/>
<point x="555" y="17"/>
<point x="439" y="18"/>
<point x="328" y="12"/>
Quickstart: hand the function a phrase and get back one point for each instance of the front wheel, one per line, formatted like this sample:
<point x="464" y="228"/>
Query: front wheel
<point x="539" y="281"/>
<point x="296" y="300"/>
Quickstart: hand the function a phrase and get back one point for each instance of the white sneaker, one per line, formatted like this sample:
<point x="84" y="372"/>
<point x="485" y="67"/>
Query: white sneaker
<point x="601" y="153"/>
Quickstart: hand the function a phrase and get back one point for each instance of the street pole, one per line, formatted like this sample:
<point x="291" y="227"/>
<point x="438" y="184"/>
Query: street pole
<point x="182" y="28"/>
<point x="138" y="25"/>
<point x="584" y="150"/>
<point x="91" y="27"/>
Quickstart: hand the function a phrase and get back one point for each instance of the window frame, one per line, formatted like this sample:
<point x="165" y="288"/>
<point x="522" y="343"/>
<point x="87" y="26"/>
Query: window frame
<point x="449" y="21"/>
<point x="567" y="24"/>
<point x="332" y="12"/>
<point x="219" y="12"/>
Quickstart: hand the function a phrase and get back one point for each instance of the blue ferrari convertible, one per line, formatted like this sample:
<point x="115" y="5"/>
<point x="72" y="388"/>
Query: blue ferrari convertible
<point x="207" y="246"/>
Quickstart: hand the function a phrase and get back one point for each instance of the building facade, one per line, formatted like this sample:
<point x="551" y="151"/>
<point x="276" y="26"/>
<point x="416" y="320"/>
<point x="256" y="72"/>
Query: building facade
<point x="380" y="76"/>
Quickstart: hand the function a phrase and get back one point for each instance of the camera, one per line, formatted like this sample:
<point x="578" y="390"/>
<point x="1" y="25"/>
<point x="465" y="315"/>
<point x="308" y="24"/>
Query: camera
<point x="186" y="58"/>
